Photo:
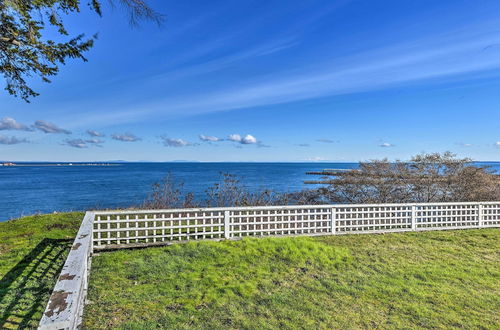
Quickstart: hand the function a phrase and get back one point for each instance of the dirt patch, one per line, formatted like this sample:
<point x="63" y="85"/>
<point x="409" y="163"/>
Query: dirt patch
<point x="52" y="226"/>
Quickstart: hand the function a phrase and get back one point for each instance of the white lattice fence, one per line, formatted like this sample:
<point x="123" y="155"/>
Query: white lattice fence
<point x="122" y="228"/>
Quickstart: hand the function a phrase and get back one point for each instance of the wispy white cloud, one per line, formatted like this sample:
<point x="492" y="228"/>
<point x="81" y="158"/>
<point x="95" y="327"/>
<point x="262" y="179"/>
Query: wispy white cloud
<point x="126" y="137"/>
<point x="49" y="128"/>
<point x="169" y="142"/>
<point x="451" y="56"/>
<point x="262" y="145"/>
<point x="81" y="144"/>
<point x="209" y="138"/>
<point x="95" y="133"/>
<point x="8" y="123"/>
<point x="76" y="143"/>
<point x="95" y="141"/>
<point x="223" y="62"/>
<point x="327" y="140"/>
<point x="9" y="140"/>
<point x="497" y="144"/>
<point x="386" y="145"/>
<point x="463" y="144"/>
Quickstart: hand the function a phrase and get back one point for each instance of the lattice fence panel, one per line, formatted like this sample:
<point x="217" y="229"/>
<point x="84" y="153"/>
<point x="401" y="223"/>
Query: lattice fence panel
<point x="445" y="216"/>
<point x="373" y="218"/>
<point x="491" y="215"/>
<point x="296" y="221"/>
<point x="155" y="227"/>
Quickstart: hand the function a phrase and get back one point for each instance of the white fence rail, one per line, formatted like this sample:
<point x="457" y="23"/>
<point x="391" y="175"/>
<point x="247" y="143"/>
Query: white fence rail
<point x="122" y="229"/>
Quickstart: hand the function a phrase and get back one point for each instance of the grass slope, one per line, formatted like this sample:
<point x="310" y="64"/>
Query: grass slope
<point x="408" y="280"/>
<point x="32" y="252"/>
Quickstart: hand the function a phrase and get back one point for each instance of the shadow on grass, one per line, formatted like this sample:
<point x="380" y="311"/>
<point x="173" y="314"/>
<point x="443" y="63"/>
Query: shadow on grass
<point x="25" y="289"/>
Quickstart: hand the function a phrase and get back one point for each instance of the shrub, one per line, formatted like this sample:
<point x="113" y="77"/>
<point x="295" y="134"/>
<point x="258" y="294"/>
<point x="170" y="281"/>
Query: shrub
<point x="168" y="194"/>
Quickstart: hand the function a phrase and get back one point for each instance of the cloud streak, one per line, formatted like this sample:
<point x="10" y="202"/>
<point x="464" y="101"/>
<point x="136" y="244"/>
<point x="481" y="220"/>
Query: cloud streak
<point x="327" y="141"/>
<point x="95" y="141"/>
<point x="449" y="56"/>
<point x="49" y="128"/>
<point x="82" y="144"/>
<point x="125" y="137"/>
<point x="10" y="140"/>
<point x="8" y="123"/>
<point x="76" y="143"/>
<point x="208" y="138"/>
<point x="177" y="143"/>
<point x="223" y="62"/>
<point x="95" y="133"/>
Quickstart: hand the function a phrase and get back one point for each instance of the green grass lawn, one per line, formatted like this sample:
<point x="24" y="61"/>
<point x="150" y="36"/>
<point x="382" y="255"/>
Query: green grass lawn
<point x="32" y="252"/>
<point x="426" y="279"/>
<point x="409" y="280"/>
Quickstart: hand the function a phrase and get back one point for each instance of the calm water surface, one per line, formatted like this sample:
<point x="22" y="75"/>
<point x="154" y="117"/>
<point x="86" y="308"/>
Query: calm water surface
<point x="27" y="190"/>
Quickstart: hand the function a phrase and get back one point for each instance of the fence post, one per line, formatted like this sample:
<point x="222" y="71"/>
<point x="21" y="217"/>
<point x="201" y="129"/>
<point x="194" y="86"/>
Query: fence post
<point x="333" y="221"/>
<point x="226" y="225"/>
<point x="413" y="217"/>
<point x="480" y="215"/>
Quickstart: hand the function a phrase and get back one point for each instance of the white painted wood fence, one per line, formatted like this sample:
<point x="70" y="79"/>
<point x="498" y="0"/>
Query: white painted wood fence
<point x="131" y="228"/>
<point x="116" y="229"/>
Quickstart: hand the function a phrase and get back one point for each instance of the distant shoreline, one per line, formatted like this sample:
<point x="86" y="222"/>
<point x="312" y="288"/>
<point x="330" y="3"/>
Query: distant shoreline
<point x="56" y="165"/>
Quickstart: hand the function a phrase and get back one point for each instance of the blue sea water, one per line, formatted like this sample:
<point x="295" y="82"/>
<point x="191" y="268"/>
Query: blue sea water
<point x="39" y="188"/>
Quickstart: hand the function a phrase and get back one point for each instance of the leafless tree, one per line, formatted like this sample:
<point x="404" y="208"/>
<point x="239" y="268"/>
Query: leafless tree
<point x="436" y="177"/>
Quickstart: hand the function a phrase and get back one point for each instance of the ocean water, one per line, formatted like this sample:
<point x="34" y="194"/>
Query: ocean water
<point x="38" y="188"/>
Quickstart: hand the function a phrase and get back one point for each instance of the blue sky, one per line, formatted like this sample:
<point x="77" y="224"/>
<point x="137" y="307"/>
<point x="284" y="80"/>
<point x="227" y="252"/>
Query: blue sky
<point x="271" y="81"/>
